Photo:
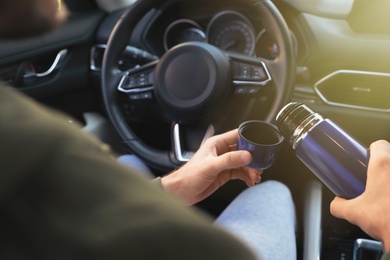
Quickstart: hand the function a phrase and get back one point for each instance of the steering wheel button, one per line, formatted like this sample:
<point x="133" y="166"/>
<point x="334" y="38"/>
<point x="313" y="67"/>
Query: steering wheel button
<point x="146" y="95"/>
<point x="252" y="90"/>
<point x="142" y="82"/>
<point x="258" y="73"/>
<point x="245" y="71"/>
<point x="135" y="97"/>
<point x="131" y="82"/>
<point x="241" y="90"/>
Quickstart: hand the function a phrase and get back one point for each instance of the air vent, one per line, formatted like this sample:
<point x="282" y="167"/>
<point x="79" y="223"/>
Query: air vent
<point x="358" y="89"/>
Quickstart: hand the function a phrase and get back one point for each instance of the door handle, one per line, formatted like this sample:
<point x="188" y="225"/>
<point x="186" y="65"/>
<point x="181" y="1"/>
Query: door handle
<point x="31" y="76"/>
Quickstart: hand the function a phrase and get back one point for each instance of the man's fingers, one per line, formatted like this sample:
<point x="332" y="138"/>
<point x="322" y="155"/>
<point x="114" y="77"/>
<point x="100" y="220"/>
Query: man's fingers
<point x="336" y="207"/>
<point x="229" y="137"/>
<point x="223" y="142"/>
<point x="380" y="146"/>
<point x="234" y="159"/>
<point x="348" y="210"/>
<point x="248" y="175"/>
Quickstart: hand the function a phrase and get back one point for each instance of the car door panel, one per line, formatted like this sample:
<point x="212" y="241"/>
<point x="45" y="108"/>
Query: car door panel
<point x="54" y="66"/>
<point x="20" y="59"/>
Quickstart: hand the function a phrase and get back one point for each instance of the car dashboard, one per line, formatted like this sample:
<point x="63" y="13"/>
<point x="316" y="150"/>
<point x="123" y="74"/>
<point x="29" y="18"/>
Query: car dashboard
<point x="342" y="63"/>
<point x="342" y="69"/>
<point x="342" y="72"/>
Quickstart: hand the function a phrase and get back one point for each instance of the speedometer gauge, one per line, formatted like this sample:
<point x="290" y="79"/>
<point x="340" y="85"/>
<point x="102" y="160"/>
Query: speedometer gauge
<point x="231" y="31"/>
<point x="235" y="36"/>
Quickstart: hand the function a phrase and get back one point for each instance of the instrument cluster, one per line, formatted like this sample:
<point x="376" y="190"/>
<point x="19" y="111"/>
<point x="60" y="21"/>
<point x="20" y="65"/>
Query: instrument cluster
<point x="228" y="30"/>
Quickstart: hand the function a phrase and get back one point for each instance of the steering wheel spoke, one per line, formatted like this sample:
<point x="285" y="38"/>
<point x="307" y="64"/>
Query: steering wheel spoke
<point x="138" y="83"/>
<point x="249" y="74"/>
<point x="183" y="151"/>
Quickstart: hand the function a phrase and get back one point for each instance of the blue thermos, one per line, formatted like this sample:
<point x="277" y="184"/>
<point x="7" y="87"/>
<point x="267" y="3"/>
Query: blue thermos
<point x="333" y="155"/>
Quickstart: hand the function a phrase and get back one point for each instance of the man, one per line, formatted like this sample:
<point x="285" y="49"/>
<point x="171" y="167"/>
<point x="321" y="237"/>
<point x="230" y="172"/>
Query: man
<point x="63" y="196"/>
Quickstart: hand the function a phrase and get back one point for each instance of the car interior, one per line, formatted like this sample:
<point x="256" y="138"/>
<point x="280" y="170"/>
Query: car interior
<point x="156" y="78"/>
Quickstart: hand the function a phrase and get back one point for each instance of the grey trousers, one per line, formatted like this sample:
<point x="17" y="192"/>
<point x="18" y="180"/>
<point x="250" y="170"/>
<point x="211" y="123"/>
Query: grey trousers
<point x="263" y="217"/>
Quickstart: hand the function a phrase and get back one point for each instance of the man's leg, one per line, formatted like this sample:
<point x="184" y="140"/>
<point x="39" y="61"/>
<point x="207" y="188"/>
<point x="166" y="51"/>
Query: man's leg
<point x="264" y="218"/>
<point x="132" y="161"/>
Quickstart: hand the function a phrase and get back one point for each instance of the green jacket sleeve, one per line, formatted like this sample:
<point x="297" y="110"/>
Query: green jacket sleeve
<point x="157" y="182"/>
<point x="63" y="196"/>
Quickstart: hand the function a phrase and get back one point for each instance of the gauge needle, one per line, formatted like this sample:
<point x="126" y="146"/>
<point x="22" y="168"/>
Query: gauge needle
<point x="228" y="45"/>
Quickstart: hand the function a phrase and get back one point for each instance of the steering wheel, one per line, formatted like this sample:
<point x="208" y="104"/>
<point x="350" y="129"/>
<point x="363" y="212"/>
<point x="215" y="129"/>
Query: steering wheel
<point x="195" y="84"/>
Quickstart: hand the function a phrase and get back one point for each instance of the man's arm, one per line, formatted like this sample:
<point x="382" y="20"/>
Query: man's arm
<point x="67" y="198"/>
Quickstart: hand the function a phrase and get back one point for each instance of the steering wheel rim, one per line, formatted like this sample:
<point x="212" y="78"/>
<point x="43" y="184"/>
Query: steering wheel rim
<point x="282" y="71"/>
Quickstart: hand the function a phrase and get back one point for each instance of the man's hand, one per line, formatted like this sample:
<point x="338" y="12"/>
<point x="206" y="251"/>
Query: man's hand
<point x="371" y="210"/>
<point x="215" y="163"/>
